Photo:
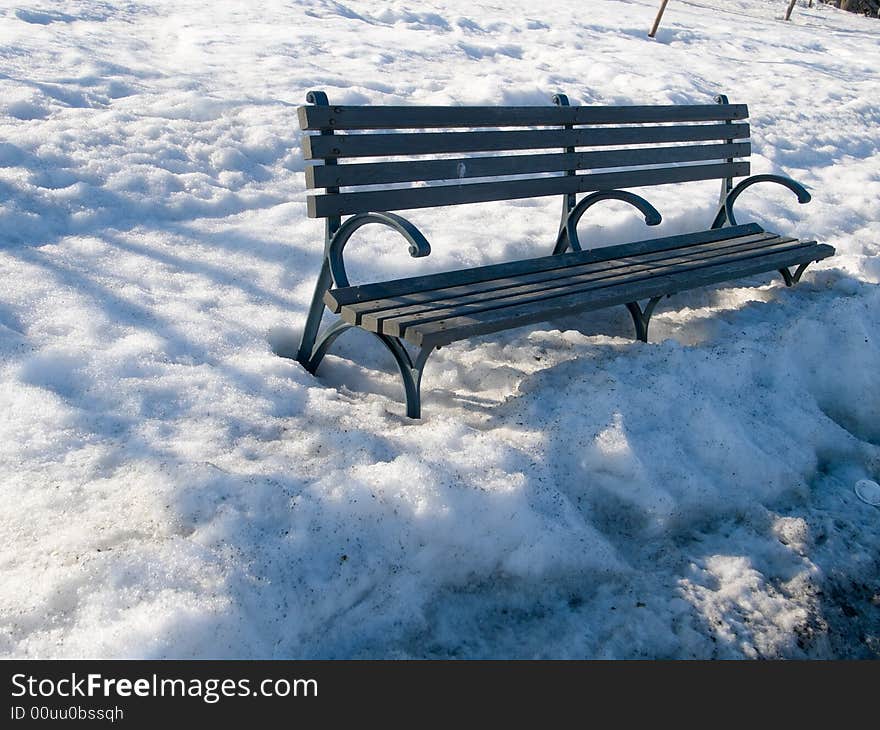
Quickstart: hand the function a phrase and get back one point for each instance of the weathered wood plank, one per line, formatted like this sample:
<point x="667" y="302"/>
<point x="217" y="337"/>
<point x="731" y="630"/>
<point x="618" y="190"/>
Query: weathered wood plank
<point x="443" y="332"/>
<point x="379" y="309"/>
<point x="398" y="325"/>
<point x="334" y="146"/>
<point x="336" y="298"/>
<point x="377" y="173"/>
<point x="442" y="117"/>
<point x="323" y="206"/>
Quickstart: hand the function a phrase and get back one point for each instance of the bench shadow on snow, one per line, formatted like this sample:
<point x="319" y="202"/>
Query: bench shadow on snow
<point x="303" y="565"/>
<point x="823" y="575"/>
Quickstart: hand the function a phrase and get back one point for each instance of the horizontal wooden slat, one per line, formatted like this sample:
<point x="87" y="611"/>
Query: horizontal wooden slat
<point x="427" y="117"/>
<point x="398" y="324"/>
<point x="375" y="173"/>
<point x="322" y="206"/>
<point x="332" y="146"/>
<point x="446" y="331"/>
<point x="338" y="298"/>
<point x="362" y="313"/>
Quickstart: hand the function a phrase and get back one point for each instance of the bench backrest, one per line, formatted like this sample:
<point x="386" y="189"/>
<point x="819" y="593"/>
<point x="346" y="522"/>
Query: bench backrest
<point x="419" y="154"/>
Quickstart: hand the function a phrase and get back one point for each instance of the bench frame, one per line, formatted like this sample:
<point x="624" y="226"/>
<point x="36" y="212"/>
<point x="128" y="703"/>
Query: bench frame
<point x="314" y="343"/>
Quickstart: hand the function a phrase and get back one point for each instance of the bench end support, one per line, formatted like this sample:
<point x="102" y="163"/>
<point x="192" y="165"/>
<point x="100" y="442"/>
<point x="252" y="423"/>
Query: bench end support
<point x="793" y="278"/>
<point x="410" y="370"/>
<point x="642" y="317"/>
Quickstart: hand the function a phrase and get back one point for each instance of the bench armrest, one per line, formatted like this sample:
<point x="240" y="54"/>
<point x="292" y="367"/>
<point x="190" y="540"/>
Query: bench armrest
<point x="568" y="233"/>
<point x="725" y="212"/>
<point x="418" y="244"/>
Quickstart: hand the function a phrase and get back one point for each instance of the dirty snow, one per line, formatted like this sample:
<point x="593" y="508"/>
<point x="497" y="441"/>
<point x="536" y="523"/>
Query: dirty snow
<point x="173" y="488"/>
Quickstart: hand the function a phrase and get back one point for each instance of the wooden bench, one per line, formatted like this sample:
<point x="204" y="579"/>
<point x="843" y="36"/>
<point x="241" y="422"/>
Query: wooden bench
<point x="430" y="164"/>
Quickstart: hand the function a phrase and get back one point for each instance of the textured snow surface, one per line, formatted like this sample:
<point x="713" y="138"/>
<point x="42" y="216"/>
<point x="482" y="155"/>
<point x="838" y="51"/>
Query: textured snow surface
<point x="173" y="488"/>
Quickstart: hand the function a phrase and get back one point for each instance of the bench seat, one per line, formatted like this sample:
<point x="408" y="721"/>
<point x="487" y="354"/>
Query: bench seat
<point x="436" y="309"/>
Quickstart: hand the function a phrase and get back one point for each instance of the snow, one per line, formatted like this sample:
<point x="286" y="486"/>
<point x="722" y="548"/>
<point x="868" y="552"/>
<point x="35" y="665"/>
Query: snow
<point x="173" y="488"/>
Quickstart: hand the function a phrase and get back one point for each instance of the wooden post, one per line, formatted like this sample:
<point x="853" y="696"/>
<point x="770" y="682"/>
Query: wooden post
<point x="657" y="19"/>
<point x="790" y="8"/>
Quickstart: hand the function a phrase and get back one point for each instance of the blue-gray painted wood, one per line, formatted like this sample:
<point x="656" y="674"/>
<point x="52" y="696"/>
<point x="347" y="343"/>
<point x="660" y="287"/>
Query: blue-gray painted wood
<point x="428" y="143"/>
<point x="338" y="298"/>
<point x="459" y="168"/>
<point x="436" y="117"/>
<point x="435" y="334"/>
<point x="322" y="206"/>
<point x="363" y="312"/>
<point x="396" y="323"/>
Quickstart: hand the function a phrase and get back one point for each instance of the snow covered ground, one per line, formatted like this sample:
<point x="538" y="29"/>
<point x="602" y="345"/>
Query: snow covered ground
<point x="172" y="488"/>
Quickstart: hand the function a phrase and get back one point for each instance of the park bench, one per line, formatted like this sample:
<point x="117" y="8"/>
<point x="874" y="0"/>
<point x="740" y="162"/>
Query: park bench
<point x="430" y="163"/>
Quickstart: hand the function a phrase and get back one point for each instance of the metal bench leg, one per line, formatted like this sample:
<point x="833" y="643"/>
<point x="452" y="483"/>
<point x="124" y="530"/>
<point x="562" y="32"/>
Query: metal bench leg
<point x="307" y="348"/>
<point x="313" y="320"/>
<point x="791" y="279"/>
<point x="641" y="317"/>
<point x="410" y="371"/>
<point x="320" y="349"/>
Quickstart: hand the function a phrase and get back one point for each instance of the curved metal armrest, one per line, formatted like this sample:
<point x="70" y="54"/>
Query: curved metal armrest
<point x="725" y="212"/>
<point x="568" y="234"/>
<point x="418" y="244"/>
